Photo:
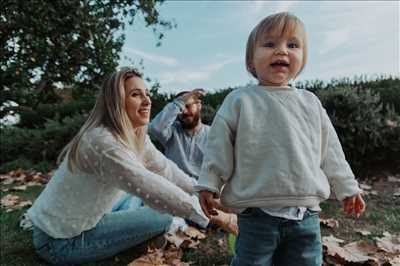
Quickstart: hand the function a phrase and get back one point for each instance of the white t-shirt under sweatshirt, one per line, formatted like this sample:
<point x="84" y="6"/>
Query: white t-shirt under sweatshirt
<point x="272" y="148"/>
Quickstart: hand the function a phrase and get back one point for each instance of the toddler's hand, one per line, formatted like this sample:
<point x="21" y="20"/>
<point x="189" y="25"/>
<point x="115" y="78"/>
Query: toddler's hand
<point x="227" y="221"/>
<point x="354" y="203"/>
<point x="208" y="203"/>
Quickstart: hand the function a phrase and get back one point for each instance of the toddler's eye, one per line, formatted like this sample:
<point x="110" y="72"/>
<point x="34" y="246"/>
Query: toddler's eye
<point x="293" y="45"/>
<point x="269" y="44"/>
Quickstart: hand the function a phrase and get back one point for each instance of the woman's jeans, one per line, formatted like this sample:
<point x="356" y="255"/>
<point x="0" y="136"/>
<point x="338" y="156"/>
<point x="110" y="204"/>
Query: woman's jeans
<point x="267" y="240"/>
<point x="128" y="225"/>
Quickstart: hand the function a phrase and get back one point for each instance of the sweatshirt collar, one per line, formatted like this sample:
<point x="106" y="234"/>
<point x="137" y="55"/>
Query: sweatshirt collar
<point x="277" y="88"/>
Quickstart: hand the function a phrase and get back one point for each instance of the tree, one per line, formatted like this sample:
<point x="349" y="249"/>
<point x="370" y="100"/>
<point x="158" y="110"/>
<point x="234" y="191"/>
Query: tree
<point x="71" y="44"/>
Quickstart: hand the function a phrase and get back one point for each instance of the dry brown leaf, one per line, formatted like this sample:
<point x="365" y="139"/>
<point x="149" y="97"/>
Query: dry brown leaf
<point x="361" y="250"/>
<point x="23" y="204"/>
<point x="362" y="232"/>
<point x="158" y="257"/>
<point x="372" y="192"/>
<point x="393" y="179"/>
<point x="19" y="188"/>
<point x="365" y="187"/>
<point x="177" y="238"/>
<point x="223" y="243"/>
<point x="194" y="233"/>
<point x="151" y="259"/>
<point x="389" y="243"/>
<point x="394" y="261"/>
<point x="194" y="244"/>
<point x="331" y="223"/>
<point x="7" y="181"/>
<point x="331" y="239"/>
<point x="33" y="183"/>
<point x="9" y="200"/>
<point x="356" y="252"/>
<point x="4" y="177"/>
<point x="172" y="254"/>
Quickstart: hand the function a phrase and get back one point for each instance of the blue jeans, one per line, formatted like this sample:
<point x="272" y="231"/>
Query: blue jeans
<point x="128" y="225"/>
<point x="267" y="240"/>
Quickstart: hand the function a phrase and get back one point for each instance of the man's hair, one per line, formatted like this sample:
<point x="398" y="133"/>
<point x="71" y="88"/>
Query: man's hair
<point x="283" y="23"/>
<point x="110" y="111"/>
<point x="181" y="93"/>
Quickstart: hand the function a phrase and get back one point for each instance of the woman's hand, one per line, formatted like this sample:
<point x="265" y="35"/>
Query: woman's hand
<point x="354" y="204"/>
<point x="208" y="203"/>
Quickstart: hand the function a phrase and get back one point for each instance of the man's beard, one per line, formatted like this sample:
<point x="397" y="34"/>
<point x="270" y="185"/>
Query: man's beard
<point x="189" y="124"/>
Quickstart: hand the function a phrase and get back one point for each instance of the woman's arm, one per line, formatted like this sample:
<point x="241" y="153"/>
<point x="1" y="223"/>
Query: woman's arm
<point x="117" y="166"/>
<point x="156" y="162"/>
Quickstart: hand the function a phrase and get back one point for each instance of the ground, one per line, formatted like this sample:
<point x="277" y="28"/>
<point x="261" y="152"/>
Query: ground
<point x="382" y="215"/>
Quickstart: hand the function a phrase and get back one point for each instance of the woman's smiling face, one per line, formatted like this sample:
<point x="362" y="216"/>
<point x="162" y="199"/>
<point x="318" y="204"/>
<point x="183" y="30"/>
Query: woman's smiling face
<point x="137" y="102"/>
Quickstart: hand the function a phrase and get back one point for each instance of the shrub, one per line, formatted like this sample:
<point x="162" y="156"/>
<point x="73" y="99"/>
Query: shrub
<point x="368" y="130"/>
<point x="38" y="144"/>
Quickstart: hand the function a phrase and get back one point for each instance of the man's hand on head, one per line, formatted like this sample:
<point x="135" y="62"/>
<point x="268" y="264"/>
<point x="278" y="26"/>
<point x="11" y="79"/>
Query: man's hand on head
<point x="192" y="96"/>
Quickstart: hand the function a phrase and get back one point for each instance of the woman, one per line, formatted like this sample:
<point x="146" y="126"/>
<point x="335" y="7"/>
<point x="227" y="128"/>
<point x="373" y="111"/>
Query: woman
<point x="84" y="214"/>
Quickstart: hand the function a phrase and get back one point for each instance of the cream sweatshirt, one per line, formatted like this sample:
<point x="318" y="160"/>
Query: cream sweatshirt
<point x="272" y="147"/>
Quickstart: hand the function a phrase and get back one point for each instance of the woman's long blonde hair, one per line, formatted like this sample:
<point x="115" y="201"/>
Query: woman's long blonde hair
<point x="110" y="112"/>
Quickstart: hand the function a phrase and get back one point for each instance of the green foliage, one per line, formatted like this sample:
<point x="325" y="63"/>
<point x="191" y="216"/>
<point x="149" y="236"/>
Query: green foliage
<point x="368" y="130"/>
<point x="34" y="146"/>
<point x="388" y="87"/>
<point x="67" y="44"/>
<point x="368" y="126"/>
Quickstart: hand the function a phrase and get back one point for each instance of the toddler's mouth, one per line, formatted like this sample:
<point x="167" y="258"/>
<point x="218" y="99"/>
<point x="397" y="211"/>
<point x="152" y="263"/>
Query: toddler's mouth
<point x="281" y="63"/>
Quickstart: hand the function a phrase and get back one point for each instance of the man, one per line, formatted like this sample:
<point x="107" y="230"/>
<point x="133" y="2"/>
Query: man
<point x="179" y="129"/>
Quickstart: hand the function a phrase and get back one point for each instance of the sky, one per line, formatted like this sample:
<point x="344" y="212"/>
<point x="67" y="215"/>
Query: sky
<point x="207" y="49"/>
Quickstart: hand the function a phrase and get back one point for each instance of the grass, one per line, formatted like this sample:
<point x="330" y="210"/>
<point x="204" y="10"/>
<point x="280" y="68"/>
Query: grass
<point x="382" y="214"/>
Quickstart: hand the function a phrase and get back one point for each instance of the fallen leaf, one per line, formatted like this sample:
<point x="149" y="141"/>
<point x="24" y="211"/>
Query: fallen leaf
<point x="389" y="243"/>
<point x="19" y="188"/>
<point x="177" y="238"/>
<point x="360" y="251"/>
<point x="194" y="233"/>
<point x="393" y="179"/>
<point x="223" y="243"/>
<point x="331" y="223"/>
<point x="365" y="187"/>
<point x="23" y="204"/>
<point x="9" y="200"/>
<point x="331" y="239"/>
<point x="151" y="259"/>
<point x="394" y="261"/>
<point x="158" y="257"/>
<point x="7" y="181"/>
<point x="356" y="252"/>
<point x="372" y="192"/>
<point x="362" y="232"/>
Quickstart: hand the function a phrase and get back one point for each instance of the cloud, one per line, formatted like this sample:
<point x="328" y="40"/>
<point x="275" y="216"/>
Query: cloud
<point x="165" y="60"/>
<point x="272" y="6"/>
<point x="334" y="39"/>
<point x="185" y="76"/>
